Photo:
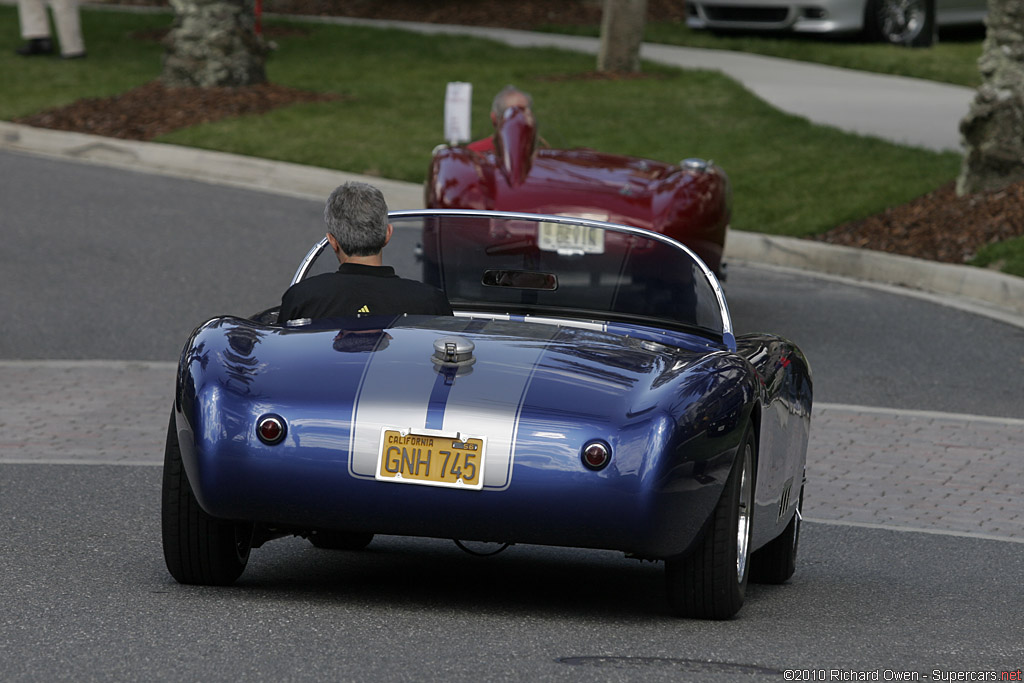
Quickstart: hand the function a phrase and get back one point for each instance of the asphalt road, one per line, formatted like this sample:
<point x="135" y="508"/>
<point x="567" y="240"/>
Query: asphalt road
<point x="86" y="597"/>
<point x="104" y="264"/>
<point x="878" y="347"/>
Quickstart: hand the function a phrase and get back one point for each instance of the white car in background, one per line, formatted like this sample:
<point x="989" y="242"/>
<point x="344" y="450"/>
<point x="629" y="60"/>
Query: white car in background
<point x="900" y="22"/>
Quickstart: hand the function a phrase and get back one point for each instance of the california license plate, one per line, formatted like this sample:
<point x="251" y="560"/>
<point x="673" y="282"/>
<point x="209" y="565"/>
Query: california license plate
<point x="580" y="239"/>
<point x="409" y="457"/>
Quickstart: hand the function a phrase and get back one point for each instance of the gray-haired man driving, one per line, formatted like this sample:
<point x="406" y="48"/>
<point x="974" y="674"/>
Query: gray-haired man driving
<point x="358" y="230"/>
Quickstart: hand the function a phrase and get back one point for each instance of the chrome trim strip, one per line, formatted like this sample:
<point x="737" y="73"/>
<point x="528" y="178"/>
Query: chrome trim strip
<point x="300" y="273"/>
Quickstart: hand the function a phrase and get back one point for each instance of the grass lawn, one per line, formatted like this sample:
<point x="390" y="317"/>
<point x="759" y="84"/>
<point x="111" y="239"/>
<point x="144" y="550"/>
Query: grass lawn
<point x="1007" y="256"/>
<point x="117" y="61"/>
<point x="391" y="123"/>
<point x="789" y="177"/>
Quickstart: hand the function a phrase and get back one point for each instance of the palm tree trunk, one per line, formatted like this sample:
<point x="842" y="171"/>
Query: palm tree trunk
<point x="993" y="130"/>
<point x="622" y="32"/>
<point x="213" y="43"/>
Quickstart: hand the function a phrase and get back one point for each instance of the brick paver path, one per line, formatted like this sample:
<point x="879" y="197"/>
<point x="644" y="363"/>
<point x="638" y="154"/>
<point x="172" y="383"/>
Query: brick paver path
<point x="916" y="469"/>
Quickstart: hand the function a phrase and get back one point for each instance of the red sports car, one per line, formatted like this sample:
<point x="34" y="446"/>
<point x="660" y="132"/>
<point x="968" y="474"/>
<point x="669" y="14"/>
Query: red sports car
<point x="690" y="202"/>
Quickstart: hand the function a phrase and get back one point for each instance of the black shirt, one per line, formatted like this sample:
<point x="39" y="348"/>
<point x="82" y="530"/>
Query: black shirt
<point x="359" y="289"/>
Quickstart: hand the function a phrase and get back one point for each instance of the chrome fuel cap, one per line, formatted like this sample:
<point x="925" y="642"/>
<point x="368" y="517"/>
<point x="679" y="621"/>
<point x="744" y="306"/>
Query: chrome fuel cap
<point x="453" y="351"/>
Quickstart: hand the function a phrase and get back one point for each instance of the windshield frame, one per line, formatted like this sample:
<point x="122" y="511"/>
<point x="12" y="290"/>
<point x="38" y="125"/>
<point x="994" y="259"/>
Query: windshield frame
<point x="728" y="336"/>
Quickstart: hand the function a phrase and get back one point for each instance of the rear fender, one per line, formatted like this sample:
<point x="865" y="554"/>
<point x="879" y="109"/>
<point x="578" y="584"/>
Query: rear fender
<point x="783" y="419"/>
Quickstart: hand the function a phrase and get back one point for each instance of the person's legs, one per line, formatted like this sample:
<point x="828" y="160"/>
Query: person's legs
<point x="69" y="27"/>
<point x="35" y="28"/>
<point x="32" y="17"/>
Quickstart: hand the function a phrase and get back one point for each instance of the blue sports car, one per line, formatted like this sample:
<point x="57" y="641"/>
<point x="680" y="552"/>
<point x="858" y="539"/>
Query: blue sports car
<point x="588" y="392"/>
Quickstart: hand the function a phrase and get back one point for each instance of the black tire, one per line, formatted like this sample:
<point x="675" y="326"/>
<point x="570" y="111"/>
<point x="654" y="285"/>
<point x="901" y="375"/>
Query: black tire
<point x="775" y="562"/>
<point x="901" y="22"/>
<point x="329" y="539"/>
<point x="198" y="549"/>
<point x="710" y="582"/>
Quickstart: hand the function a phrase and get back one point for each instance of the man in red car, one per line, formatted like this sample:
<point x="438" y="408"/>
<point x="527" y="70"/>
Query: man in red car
<point x="509" y="96"/>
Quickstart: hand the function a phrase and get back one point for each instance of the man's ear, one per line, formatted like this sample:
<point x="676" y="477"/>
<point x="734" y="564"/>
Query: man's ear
<point x="390" y="232"/>
<point x="334" y="243"/>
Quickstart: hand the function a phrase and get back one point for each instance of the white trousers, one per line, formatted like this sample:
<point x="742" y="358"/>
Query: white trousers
<point x="34" y="23"/>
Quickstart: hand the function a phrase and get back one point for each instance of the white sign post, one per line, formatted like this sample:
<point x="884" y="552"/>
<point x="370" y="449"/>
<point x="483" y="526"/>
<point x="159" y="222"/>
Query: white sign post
<point x="458" y="99"/>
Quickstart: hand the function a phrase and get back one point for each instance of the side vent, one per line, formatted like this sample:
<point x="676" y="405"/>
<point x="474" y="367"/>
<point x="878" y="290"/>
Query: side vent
<point x="787" y="491"/>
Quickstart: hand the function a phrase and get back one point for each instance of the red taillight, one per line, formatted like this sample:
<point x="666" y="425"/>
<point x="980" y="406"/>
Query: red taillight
<point x="270" y="429"/>
<point x="596" y="455"/>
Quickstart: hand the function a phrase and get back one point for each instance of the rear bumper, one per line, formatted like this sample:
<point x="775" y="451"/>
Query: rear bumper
<point x="658" y="514"/>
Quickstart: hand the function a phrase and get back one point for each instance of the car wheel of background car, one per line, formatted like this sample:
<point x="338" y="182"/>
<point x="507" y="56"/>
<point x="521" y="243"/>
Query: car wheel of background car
<point x="901" y="22"/>
<point x="775" y="562"/>
<point x="330" y="539"/>
<point x="198" y="549"/>
<point x="710" y="582"/>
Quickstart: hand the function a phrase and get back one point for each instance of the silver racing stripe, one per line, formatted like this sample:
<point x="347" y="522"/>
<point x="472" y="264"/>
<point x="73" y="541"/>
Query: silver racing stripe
<point x="397" y="385"/>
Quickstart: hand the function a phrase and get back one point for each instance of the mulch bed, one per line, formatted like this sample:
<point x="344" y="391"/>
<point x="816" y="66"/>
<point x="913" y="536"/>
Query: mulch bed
<point x="153" y="109"/>
<point x="938" y="226"/>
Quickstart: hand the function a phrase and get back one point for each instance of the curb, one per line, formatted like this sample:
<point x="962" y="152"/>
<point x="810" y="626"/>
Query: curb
<point x="220" y="168"/>
<point x="997" y="290"/>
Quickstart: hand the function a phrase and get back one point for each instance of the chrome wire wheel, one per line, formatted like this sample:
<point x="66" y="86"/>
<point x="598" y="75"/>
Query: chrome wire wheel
<point x="745" y="506"/>
<point x="901" y="21"/>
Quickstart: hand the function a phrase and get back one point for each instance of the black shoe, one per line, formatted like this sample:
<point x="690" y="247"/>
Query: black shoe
<point x="36" y="46"/>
